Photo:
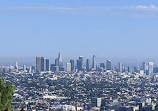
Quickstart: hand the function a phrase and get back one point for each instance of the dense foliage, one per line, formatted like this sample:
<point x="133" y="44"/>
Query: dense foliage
<point x="6" y="95"/>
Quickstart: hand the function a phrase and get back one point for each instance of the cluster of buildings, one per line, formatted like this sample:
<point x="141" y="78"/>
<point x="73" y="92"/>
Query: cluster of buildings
<point x="83" y="86"/>
<point x="42" y="64"/>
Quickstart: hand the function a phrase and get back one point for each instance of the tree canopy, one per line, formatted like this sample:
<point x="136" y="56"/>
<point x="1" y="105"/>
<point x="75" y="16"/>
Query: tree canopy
<point x="6" y="95"/>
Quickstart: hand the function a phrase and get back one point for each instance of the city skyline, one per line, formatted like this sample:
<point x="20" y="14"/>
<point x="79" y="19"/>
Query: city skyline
<point x="43" y="64"/>
<point x="31" y="61"/>
<point x="80" y="62"/>
<point x="78" y="55"/>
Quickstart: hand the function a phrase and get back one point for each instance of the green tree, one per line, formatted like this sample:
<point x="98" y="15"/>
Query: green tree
<point x="6" y="95"/>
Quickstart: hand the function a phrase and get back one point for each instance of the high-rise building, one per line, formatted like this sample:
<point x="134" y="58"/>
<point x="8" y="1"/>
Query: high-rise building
<point x="24" y="68"/>
<point x="42" y="64"/>
<point x="47" y="64"/>
<point x="54" y="68"/>
<point x="80" y="63"/>
<point x="123" y="68"/>
<point x="61" y="68"/>
<point x="16" y="66"/>
<point x="129" y="69"/>
<point x="33" y="69"/>
<point x="102" y="65"/>
<point x="68" y="67"/>
<point x="119" y="67"/>
<point x="60" y="60"/>
<point x="30" y="70"/>
<point x="144" y="67"/>
<point x="57" y="62"/>
<point x="150" y="68"/>
<point x="72" y="65"/>
<point x="38" y="64"/>
<point x="155" y="70"/>
<point x="94" y="64"/>
<point x="136" y="69"/>
<point x="88" y="65"/>
<point x="108" y="65"/>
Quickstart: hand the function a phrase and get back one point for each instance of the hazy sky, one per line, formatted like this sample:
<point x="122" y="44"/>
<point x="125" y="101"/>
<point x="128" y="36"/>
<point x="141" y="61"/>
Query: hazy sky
<point x="110" y="28"/>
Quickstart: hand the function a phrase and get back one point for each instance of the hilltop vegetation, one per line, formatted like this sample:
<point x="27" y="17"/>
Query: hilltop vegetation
<point x="6" y="95"/>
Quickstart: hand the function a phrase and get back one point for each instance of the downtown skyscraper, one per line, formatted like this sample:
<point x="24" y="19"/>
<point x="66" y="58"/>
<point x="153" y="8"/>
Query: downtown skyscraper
<point x="68" y="67"/>
<point x="120" y="67"/>
<point x="94" y="64"/>
<point x="150" y="68"/>
<point x="38" y="64"/>
<point x="59" y="60"/>
<point x="16" y="66"/>
<point x="72" y="65"/>
<point x="144" y="67"/>
<point x="42" y="64"/>
<point x="88" y="65"/>
<point x="80" y="63"/>
<point x="108" y="65"/>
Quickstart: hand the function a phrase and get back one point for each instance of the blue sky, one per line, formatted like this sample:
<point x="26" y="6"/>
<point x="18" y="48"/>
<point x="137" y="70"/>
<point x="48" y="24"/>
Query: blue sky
<point x="106" y="28"/>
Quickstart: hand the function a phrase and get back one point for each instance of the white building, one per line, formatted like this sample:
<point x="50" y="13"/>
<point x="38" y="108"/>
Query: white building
<point x="98" y="102"/>
<point x="24" y="68"/>
<point x="68" y="67"/>
<point x="150" y="68"/>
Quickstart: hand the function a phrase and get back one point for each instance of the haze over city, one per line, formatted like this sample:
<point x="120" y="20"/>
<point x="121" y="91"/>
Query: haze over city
<point x="78" y="55"/>
<point x="125" y="30"/>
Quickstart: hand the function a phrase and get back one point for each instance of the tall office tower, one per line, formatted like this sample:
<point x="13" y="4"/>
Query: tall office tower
<point x="24" y="68"/>
<point x="108" y="65"/>
<point x="80" y="63"/>
<point x="42" y="64"/>
<point x="61" y="68"/>
<point x="129" y="69"/>
<point x="136" y="69"/>
<point x="150" y="68"/>
<point x="72" y="65"/>
<point x="68" y="67"/>
<point x="60" y="60"/>
<point x="94" y="64"/>
<point x="33" y="68"/>
<point x="87" y="65"/>
<point x="54" y="68"/>
<point x="119" y="67"/>
<point x="144" y="67"/>
<point x="102" y="65"/>
<point x="155" y="70"/>
<point x="16" y="66"/>
<point x="47" y="64"/>
<point x="30" y="70"/>
<point x="38" y="64"/>
<point x="123" y="68"/>
<point x="57" y="62"/>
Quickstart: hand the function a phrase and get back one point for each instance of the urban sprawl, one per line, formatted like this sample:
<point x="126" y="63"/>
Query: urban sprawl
<point x="85" y="87"/>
